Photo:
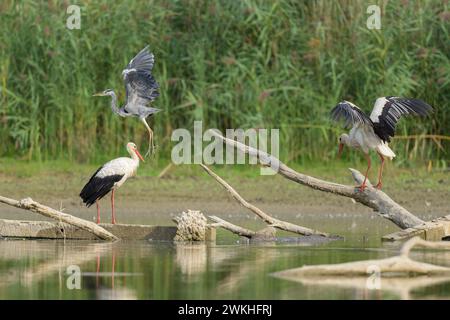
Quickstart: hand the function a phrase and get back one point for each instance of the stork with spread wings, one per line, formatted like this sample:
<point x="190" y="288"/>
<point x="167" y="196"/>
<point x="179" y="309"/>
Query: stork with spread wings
<point x="375" y="131"/>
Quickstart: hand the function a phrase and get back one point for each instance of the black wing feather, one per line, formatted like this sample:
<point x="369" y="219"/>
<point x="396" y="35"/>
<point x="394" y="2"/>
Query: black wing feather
<point x="97" y="187"/>
<point x="388" y="111"/>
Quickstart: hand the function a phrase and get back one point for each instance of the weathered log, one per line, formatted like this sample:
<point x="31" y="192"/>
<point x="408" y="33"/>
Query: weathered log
<point x="361" y="286"/>
<point x="434" y="230"/>
<point x="418" y="242"/>
<point x="400" y="265"/>
<point x="30" y="205"/>
<point x="240" y="231"/>
<point x="370" y="197"/>
<point x="279" y="224"/>
<point x="266" y="234"/>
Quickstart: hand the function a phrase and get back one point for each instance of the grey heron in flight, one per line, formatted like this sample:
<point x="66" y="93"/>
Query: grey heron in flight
<point x="141" y="89"/>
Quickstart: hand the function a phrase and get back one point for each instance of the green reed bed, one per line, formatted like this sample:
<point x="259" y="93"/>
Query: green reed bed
<point x="247" y="64"/>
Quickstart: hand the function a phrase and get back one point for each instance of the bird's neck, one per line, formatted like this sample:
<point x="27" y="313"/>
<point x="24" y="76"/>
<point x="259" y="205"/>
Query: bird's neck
<point x="114" y="103"/>
<point x="351" y="142"/>
<point x="134" y="156"/>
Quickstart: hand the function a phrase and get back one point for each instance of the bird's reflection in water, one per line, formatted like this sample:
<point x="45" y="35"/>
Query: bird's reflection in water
<point x="65" y="256"/>
<point x="104" y="281"/>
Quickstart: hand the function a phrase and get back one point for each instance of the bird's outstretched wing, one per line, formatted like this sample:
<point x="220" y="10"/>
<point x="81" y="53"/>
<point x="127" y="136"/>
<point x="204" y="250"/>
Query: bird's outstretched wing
<point x="140" y="85"/>
<point x="350" y="113"/>
<point x="388" y="110"/>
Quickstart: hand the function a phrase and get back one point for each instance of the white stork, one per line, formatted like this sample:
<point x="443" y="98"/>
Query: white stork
<point x="374" y="132"/>
<point x="109" y="177"/>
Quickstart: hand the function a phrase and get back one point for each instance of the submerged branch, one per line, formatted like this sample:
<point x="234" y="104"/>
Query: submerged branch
<point x="399" y="265"/>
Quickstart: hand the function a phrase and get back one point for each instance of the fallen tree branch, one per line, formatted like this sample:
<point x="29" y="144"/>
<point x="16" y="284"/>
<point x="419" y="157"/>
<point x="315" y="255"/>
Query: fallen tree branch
<point x="240" y="231"/>
<point x="436" y="230"/>
<point x="371" y="197"/>
<point x="283" y="225"/>
<point x="31" y="205"/>
<point x="266" y="234"/>
<point x="399" y="265"/>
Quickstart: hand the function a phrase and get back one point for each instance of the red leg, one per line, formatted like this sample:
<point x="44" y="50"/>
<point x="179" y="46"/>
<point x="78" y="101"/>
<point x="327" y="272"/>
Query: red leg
<point x="363" y="186"/>
<point x="112" y="208"/>
<point x="380" y="174"/>
<point x="98" y="212"/>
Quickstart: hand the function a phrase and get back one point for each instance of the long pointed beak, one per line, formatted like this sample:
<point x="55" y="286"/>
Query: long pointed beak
<point x="98" y="94"/>
<point x="341" y="147"/>
<point x="139" y="155"/>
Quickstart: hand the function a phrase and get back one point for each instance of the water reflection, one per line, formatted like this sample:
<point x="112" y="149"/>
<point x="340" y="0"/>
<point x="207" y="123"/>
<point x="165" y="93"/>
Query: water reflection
<point x="152" y="270"/>
<point x="41" y="264"/>
<point x="241" y="271"/>
<point x="191" y="258"/>
<point x="399" y="286"/>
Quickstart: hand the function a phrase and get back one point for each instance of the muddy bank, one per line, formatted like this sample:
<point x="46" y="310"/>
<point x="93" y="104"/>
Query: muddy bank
<point x="154" y="201"/>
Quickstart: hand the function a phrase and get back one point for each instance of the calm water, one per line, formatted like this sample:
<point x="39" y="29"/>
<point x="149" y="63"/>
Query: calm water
<point x="223" y="270"/>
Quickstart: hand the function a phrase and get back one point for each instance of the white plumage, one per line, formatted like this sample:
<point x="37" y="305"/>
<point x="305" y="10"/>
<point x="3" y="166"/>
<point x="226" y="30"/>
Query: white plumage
<point x="363" y="137"/>
<point x="110" y="177"/>
<point x="374" y="132"/>
<point x="125" y="167"/>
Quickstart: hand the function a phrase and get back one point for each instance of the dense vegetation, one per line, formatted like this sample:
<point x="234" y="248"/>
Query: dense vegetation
<point x="247" y="64"/>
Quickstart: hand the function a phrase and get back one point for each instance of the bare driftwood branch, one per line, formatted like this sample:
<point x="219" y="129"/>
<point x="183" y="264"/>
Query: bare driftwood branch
<point x="371" y="197"/>
<point x="398" y="265"/>
<point x="29" y="204"/>
<point x="283" y="225"/>
<point x="266" y="234"/>
<point x="418" y="242"/>
<point x="435" y="230"/>
<point x="240" y="231"/>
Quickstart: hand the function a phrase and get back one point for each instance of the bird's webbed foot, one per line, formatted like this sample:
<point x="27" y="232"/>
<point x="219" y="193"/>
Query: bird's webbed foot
<point x="379" y="185"/>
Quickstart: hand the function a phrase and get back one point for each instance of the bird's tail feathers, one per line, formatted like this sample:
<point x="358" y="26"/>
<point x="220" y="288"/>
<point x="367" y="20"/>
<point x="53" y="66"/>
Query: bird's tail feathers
<point x="384" y="149"/>
<point x="151" y="111"/>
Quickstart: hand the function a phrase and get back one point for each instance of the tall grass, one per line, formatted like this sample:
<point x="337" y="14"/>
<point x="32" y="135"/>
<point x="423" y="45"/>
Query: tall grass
<point x="231" y="64"/>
